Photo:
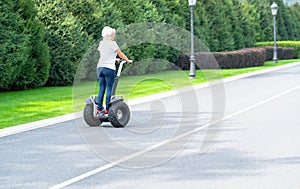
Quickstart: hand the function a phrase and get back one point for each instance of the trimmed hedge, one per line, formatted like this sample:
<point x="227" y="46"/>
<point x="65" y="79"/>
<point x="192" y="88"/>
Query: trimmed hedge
<point x="290" y="44"/>
<point x="282" y="53"/>
<point x="243" y="58"/>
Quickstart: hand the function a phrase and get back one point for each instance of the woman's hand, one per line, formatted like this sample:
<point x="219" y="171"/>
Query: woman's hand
<point x="123" y="56"/>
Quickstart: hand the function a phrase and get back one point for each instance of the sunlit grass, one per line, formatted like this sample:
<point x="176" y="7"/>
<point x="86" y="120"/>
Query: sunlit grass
<point x="25" y="106"/>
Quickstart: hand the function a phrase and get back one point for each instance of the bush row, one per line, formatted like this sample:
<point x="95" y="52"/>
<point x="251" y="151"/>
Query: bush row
<point x="289" y="44"/>
<point x="282" y="53"/>
<point x="243" y="58"/>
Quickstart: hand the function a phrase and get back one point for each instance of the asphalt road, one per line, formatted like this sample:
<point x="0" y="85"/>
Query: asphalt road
<point x="188" y="140"/>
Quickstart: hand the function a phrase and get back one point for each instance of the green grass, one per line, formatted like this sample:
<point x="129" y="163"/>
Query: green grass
<point x="26" y="106"/>
<point x="20" y="107"/>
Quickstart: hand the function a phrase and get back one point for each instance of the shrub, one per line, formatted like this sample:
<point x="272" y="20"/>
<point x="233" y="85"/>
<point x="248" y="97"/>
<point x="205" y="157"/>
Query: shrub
<point x="291" y="44"/>
<point x="286" y="53"/>
<point x="282" y="53"/>
<point x="243" y="58"/>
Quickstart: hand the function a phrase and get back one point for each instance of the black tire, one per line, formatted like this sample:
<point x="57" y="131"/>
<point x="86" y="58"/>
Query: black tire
<point x="89" y="116"/>
<point x="119" y="114"/>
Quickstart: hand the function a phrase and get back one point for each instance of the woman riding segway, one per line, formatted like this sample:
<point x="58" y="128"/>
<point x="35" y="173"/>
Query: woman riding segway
<point x="106" y="69"/>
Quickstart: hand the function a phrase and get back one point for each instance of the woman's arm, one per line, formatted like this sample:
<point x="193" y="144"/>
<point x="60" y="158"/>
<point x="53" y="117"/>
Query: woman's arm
<point x="123" y="56"/>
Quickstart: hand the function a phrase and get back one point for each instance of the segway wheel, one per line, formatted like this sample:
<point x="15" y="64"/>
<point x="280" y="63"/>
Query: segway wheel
<point x="89" y="116"/>
<point x="119" y="114"/>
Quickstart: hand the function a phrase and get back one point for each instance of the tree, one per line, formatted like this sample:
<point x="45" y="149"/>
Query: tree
<point x="262" y="8"/>
<point x="24" y="53"/>
<point x="243" y="33"/>
<point x="14" y="51"/>
<point x="220" y="36"/>
<point x="67" y="40"/>
<point x="247" y="31"/>
<point x="253" y="17"/>
<point x="295" y="13"/>
<point x="36" y="71"/>
<point x="132" y="12"/>
<point x="93" y="15"/>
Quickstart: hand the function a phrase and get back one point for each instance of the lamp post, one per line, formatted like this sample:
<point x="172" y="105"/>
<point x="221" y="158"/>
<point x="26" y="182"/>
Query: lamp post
<point x="274" y="8"/>
<point x="192" y="3"/>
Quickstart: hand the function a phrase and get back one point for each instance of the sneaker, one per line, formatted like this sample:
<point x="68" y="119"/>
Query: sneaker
<point x="100" y="113"/>
<point x="105" y="111"/>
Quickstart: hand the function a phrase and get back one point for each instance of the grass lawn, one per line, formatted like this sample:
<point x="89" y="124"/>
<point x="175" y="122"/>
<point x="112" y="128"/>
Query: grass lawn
<point x="20" y="107"/>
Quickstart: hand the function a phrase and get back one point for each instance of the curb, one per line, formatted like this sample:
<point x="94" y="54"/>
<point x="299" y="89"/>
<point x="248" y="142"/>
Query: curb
<point x="35" y="125"/>
<point x="68" y="117"/>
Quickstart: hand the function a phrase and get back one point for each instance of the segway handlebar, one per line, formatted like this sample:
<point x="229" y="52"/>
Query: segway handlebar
<point x="122" y="62"/>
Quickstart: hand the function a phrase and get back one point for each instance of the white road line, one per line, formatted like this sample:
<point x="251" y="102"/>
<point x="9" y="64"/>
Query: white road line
<point x="60" y="119"/>
<point x="112" y="164"/>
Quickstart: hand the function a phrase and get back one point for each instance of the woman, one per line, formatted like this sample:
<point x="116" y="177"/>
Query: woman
<point x="106" y="68"/>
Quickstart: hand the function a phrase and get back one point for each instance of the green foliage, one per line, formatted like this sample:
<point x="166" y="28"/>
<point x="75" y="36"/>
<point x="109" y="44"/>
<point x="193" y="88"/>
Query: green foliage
<point x="36" y="71"/>
<point x="244" y="32"/>
<point x="24" y="54"/>
<point x="11" y="42"/>
<point x="295" y="16"/>
<point x="220" y="38"/>
<point x="132" y="11"/>
<point x="252" y="16"/>
<point x="43" y="41"/>
<point x="260" y="12"/>
<point x="286" y="19"/>
<point x="66" y="39"/>
<point x="221" y="25"/>
<point x="93" y="15"/>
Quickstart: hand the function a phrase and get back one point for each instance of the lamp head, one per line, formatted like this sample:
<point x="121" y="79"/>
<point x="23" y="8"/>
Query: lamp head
<point x="192" y="2"/>
<point x="274" y="8"/>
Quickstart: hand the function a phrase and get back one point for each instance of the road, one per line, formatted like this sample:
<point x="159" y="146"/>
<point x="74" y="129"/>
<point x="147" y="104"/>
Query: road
<point x="177" y="141"/>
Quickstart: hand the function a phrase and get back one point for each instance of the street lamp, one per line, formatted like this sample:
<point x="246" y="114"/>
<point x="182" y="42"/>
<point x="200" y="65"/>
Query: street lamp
<point x="274" y="8"/>
<point x="192" y="3"/>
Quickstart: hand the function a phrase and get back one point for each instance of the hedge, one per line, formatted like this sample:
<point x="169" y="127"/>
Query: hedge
<point x="243" y="58"/>
<point x="291" y="44"/>
<point x="282" y="53"/>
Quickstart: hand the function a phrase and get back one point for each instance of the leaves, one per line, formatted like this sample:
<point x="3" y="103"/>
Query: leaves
<point x="22" y="43"/>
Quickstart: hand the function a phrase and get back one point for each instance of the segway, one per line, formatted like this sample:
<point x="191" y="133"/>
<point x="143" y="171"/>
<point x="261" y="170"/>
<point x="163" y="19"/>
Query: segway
<point x="118" y="113"/>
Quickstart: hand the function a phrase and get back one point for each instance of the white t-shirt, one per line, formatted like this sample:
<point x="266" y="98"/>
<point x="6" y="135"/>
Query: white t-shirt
<point x="107" y="49"/>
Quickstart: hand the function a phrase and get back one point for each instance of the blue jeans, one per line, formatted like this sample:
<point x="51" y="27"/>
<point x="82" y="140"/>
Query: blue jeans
<point x="106" y="78"/>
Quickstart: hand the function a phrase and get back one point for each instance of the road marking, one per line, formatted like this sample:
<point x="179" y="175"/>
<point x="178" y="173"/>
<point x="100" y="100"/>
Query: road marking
<point x="112" y="164"/>
<point x="68" y="117"/>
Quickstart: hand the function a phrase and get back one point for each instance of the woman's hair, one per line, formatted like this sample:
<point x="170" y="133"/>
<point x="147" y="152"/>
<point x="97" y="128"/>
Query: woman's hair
<point x="107" y="32"/>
